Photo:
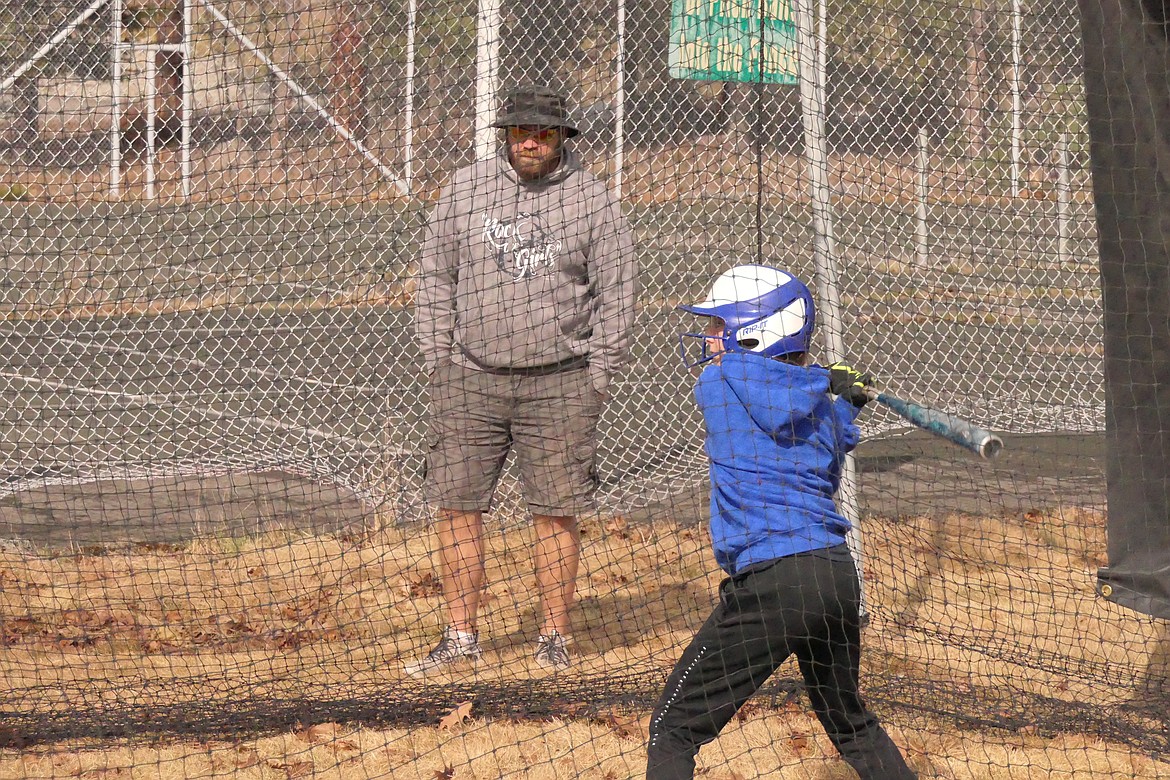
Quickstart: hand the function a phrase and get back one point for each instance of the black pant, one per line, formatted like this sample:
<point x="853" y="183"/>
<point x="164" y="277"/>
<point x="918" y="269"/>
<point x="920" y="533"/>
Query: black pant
<point x="805" y="604"/>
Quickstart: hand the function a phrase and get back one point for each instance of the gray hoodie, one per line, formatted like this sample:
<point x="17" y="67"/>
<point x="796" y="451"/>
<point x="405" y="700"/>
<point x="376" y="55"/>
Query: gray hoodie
<point x="518" y="274"/>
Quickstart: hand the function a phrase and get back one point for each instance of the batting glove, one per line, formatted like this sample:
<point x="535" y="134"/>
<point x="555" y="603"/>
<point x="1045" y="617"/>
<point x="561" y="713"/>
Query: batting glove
<point x="849" y="383"/>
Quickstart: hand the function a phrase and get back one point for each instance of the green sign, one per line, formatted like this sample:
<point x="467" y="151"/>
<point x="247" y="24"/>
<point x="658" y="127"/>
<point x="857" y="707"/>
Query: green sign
<point x="720" y="40"/>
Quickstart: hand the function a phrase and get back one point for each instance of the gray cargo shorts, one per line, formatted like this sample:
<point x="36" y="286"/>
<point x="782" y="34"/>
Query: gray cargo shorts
<point x="549" y="421"/>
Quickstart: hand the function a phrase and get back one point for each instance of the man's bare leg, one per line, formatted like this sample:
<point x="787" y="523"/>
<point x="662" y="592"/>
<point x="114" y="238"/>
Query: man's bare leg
<point x="556" y="558"/>
<point x="462" y="565"/>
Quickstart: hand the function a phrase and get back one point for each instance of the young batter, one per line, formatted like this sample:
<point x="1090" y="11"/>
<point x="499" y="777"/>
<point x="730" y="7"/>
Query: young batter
<point x="776" y="439"/>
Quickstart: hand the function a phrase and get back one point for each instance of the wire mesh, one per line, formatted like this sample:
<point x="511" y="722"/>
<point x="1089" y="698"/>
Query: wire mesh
<point x="217" y="548"/>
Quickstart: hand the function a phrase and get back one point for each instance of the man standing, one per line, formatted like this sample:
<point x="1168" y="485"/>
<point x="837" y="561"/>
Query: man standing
<point x="525" y="310"/>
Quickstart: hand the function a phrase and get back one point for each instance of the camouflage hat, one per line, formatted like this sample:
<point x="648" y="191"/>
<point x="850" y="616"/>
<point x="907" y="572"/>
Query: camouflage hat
<point x="536" y="106"/>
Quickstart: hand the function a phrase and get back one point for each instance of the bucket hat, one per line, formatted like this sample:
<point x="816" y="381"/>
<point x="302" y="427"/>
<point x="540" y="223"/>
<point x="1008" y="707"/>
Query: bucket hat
<point x="536" y="106"/>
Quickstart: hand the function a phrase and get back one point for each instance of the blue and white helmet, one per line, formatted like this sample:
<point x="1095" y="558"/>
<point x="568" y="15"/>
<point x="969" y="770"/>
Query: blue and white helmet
<point x="765" y="311"/>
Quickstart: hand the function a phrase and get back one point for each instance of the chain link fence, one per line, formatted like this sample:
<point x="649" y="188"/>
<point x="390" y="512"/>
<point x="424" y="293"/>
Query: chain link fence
<point x="210" y="214"/>
<point x="281" y="158"/>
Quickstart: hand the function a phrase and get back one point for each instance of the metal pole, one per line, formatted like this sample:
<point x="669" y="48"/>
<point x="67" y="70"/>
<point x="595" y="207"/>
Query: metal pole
<point x="822" y="37"/>
<point x="151" y="116"/>
<point x="812" y="115"/>
<point x="187" y="109"/>
<point x="1064" y="202"/>
<point x="812" y="106"/>
<point x="619" y="129"/>
<point x="408" y="118"/>
<point x="920" y="233"/>
<point x="1017" y="120"/>
<point x="116" y="98"/>
<point x="487" y="58"/>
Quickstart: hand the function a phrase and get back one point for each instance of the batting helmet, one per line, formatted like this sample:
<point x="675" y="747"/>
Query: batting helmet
<point x="765" y="311"/>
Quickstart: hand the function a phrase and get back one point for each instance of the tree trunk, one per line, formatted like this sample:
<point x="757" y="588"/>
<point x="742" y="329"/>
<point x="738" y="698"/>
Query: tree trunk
<point x="738" y="103"/>
<point x="349" y="71"/>
<point x="975" y="99"/>
<point x="169" y="75"/>
<point x="27" y="107"/>
<point x="286" y="40"/>
<point x="26" y="100"/>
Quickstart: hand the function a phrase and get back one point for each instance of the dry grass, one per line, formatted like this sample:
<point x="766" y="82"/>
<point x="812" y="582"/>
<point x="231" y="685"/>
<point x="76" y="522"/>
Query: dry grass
<point x="281" y="613"/>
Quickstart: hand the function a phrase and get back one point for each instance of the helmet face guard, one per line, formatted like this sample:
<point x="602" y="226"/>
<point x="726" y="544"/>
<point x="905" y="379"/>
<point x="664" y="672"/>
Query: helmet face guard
<point x="694" y="354"/>
<point x="765" y="311"/>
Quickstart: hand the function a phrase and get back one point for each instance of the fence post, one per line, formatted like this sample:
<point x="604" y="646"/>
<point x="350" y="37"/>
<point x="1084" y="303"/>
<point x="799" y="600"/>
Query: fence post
<point x="1063" y="202"/>
<point x="812" y="105"/>
<point x="619" y="129"/>
<point x="152" y="96"/>
<point x="116" y="46"/>
<point x="923" y="190"/>
<point x="1017" y="108"/>
<point x="488" y="22"/>
<point x="408" y="113"/>
<point x="187" y="98"/>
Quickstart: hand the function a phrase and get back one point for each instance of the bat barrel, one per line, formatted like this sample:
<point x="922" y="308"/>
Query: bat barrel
<point x="966" y="434"/>
<point x="990" y="445"/>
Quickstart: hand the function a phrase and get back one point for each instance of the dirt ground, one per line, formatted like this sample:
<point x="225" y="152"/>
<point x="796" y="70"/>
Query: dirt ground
<point x="278" y="653"/>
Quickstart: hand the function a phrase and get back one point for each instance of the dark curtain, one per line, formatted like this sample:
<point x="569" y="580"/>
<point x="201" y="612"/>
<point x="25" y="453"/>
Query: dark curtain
<point x="1127" y="79"/>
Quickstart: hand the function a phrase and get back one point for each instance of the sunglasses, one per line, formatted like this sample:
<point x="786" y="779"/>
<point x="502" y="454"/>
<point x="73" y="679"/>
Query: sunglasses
<point x="542" y="134"/>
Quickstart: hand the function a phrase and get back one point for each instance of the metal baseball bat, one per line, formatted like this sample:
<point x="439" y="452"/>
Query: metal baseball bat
<point x="966" y="434"/>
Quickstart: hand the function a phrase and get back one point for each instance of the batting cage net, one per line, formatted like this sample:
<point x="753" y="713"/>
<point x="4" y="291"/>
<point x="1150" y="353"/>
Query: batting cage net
<point x="284" y="283"/>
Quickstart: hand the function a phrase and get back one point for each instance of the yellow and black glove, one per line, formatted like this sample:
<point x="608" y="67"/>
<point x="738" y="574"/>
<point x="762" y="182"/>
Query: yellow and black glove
<point x="850" y="384"/>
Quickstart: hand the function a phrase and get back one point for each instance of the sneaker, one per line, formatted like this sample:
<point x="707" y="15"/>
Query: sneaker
<point x="455" y="646"/>
<point x="551" y="652"/>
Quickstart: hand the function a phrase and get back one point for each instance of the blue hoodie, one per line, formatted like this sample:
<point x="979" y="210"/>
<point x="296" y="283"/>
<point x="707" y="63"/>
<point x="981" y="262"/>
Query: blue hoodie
<point x="776" y="440"/>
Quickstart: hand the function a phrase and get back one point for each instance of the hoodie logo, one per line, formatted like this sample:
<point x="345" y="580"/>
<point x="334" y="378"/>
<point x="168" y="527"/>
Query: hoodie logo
<point x="525" y="247"/>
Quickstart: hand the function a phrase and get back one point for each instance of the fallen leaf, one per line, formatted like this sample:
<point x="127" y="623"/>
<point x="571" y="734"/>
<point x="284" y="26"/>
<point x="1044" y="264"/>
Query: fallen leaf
<point x="11" y="738"/>
<point x="456" y="716"/>
<point x="298" y="769"/>
<point x="320" y="732"/>
<point x="628" y="725"/>
<point x="446" y="773"/>
<point x="791" y="706"/>
<point x="426" y="584"/>
<point x="247" y="758"/>
<point x="293" y="769"/>
<point x="747" y="710"/>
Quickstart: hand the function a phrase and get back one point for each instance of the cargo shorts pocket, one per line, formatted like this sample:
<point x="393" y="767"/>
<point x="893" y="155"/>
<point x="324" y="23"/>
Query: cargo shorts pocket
<point x="431" y="443"/>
